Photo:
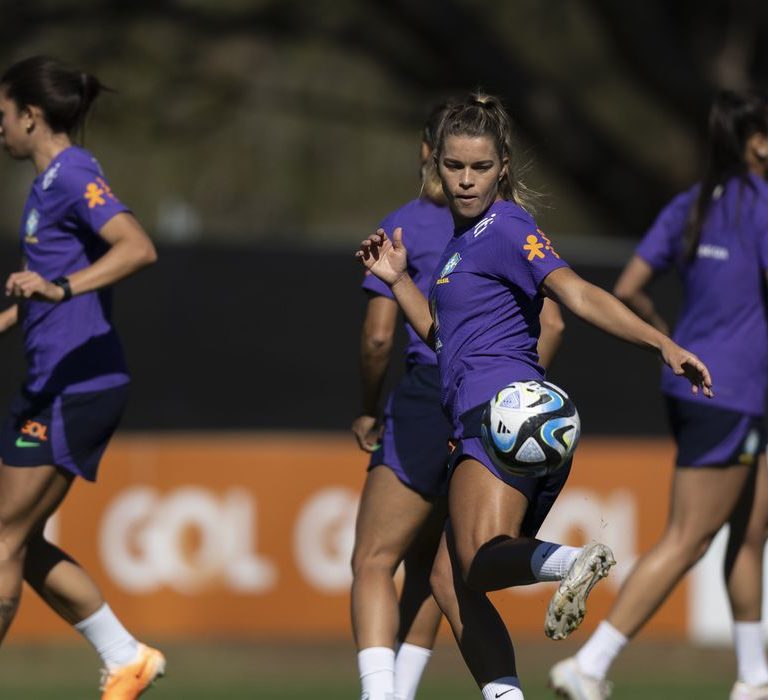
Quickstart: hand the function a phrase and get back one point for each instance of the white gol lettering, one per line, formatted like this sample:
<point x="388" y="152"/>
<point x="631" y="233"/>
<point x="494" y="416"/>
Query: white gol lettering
<point x="715" y="252"/>
<point x="188" y="540"/>
<point x="323" y="539"/>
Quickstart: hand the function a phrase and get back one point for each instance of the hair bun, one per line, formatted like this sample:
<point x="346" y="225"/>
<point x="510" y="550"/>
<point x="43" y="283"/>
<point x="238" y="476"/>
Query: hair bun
<point x="481" y="99"/>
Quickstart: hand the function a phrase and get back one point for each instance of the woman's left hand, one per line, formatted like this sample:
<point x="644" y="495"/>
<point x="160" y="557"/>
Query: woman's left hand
<point x="28" y="285"/>
<point x="685" y="363"/>
<point x="384" y="257"/>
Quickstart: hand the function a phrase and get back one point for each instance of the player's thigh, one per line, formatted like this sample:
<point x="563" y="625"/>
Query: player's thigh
<point x="424" y="545"/>
<point x="482" y="509"/>
<point x="703" y="499"/>
<point x="716" y="448"/>
<point x="389" y="517"/>
<point x="28" y="497"/>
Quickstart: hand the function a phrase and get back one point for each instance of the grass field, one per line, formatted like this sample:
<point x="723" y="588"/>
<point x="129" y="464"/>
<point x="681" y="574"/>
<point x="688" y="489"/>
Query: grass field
<point x="326" y="671"/>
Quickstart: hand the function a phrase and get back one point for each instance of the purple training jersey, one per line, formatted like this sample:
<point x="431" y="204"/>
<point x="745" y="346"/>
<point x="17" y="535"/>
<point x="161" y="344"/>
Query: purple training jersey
<point x="427" y="228"/>
<point x="485" y="304"/>
<point x="723" y="319"/>
<point x="70" y="346"/>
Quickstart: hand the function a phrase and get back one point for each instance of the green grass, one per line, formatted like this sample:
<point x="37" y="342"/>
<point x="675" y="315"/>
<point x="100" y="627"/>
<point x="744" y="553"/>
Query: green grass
<point x="326" y="671"/>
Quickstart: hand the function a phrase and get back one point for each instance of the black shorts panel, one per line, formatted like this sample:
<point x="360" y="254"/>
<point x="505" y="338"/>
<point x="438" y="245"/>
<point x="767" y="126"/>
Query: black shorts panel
<point x="710" y="436"/>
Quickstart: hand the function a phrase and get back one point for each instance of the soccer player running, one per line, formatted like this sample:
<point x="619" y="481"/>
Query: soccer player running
<point x="715" y="236"/>
<point x="483" y="324"/>
<point x="77" y="240"/>
<point x="403" y="506"/>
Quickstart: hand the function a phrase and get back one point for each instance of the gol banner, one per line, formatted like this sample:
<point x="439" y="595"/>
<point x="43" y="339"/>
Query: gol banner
<point x="229" y="534"/>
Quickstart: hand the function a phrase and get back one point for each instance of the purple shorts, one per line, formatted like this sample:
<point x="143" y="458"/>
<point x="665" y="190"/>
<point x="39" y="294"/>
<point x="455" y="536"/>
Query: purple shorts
<point x="69" y="431"/>
<point x="540" y="491"/>
<point x="414" y="444"/>
<point x="710" y="436"/>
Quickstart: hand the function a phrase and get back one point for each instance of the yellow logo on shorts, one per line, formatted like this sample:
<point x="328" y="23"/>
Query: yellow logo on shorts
<point x="35" y="430"/>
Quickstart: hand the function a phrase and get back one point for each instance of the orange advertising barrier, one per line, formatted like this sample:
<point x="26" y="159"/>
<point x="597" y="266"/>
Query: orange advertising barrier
<point x="232" y="534"/>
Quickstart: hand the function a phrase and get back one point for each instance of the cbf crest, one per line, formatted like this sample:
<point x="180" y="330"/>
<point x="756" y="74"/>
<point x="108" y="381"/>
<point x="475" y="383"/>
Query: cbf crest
<point x="30" y="227"/>
<point x="448" y="268"/>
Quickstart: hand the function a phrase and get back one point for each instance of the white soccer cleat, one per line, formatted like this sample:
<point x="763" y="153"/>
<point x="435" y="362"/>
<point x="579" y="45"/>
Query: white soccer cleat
<point x="567" y="607"/>
<point x="569" y="681"/>
<point x="742" y="691"/>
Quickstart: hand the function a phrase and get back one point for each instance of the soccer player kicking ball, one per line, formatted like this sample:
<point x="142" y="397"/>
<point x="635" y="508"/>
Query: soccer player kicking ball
<point x="482" y="320"/>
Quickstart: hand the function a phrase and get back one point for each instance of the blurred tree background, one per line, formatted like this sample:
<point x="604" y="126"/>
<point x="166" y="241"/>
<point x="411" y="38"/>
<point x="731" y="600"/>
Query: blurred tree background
<point x="295" y="123"/>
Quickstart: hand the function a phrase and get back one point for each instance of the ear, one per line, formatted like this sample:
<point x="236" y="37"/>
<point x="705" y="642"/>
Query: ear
<point x="504" y="168"/>
<point x="30" y="116"/>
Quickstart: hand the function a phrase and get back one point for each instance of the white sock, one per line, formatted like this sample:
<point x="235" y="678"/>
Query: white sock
<point x="597" y="655"/>
<point x="113" y="643"/>
<point x="377" y="673"/>
<point x="507" y="687"/>
<point x="551" y="561"/>
<point x="749" y="644"/>
<point x="410" y="663"/>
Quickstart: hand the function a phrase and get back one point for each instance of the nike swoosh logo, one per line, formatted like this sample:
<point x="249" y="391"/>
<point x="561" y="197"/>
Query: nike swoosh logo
<point x="498" y="695"/>
<point x="21" y="442"/>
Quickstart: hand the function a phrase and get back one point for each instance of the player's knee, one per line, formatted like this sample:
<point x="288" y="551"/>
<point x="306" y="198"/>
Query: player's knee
<point x="369" y="559"/>
<point x="754" y="541"/>
<point x="12" y="543"/>
<point x="756" y="535"/>
<point x="467" y="554"/>
<point x="441" y="583"/>
<point x="690" y="546"/>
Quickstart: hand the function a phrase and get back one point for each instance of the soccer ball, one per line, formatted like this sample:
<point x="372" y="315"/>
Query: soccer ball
<point x="530" y="428"/>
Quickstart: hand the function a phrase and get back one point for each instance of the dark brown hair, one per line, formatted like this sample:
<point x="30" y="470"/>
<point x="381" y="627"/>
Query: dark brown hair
<point x="733" y="118"/>
<point x="64" y="95"/>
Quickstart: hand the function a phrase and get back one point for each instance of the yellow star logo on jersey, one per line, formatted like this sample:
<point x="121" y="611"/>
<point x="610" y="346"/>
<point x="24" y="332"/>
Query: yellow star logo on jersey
<point x="93" y="193"/>
<point x="533" y="247"/>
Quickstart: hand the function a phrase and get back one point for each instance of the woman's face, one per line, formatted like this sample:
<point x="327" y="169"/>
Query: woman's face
<point x="14" y="131"/>
<point x="470" y="170"/>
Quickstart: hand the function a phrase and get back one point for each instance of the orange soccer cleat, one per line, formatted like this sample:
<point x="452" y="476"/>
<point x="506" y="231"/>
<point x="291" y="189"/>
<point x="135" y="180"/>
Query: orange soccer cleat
<point x="129" y="681"/>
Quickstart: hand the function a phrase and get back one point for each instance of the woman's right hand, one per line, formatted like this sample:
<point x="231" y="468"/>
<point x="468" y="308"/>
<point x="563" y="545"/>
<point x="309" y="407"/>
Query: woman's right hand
<point x="685" y="363"/>
<point x="385" y="258"/>
<point x="367" y="433"/>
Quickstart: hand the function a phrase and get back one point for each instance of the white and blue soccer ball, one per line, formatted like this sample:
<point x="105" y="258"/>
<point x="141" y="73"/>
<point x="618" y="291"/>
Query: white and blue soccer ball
<point x="530" y="428"/>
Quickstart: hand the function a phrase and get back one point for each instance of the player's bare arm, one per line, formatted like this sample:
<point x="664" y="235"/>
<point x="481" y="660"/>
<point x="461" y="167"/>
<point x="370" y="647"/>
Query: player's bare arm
<point x="607" y="313"/>
<point x="387" y="259"/>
